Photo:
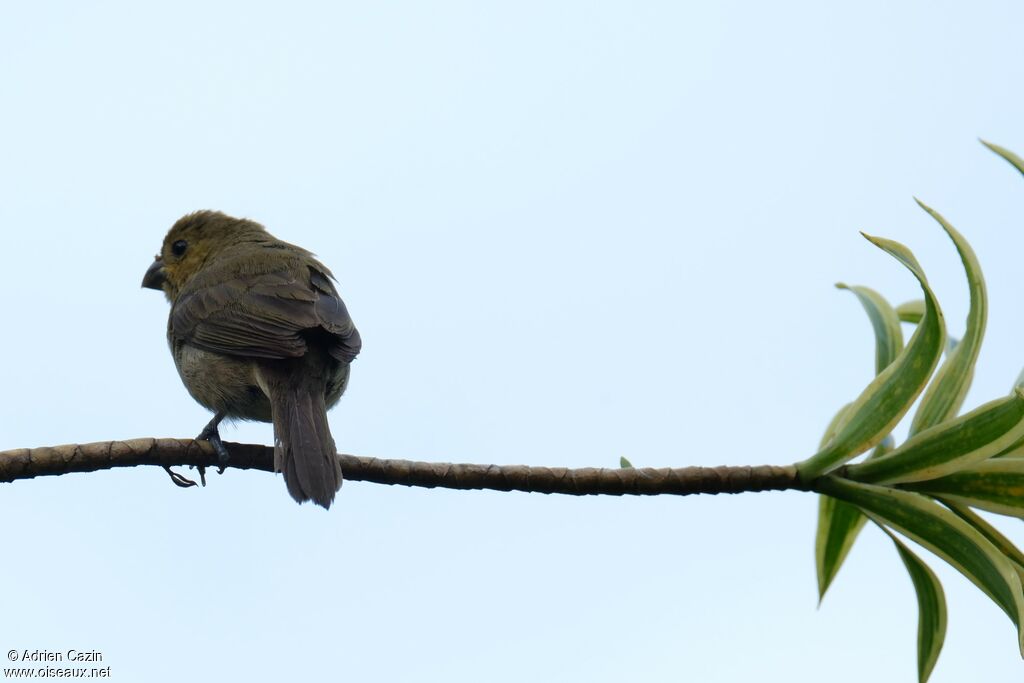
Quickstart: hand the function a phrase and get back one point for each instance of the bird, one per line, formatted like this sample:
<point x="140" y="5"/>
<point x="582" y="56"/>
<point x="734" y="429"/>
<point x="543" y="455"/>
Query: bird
<point x="258" y="332"/>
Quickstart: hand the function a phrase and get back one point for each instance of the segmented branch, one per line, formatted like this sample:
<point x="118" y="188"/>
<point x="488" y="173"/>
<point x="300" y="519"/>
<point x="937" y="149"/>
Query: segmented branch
<point x="27" y="463"/>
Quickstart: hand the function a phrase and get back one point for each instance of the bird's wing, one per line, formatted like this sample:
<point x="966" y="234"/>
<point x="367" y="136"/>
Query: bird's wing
<point x="265" y="315"/>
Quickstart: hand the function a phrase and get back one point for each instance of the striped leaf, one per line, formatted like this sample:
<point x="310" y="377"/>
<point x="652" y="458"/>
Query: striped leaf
<point x="931" y="609"/>
<point x="942" y="532"/>
<point x="1016" y="448"/>
<point x="996" y="537"/>
<point x="888" y="397"/>
<point x="944" y="397"/>
<point x="911" y="311"/>
<point x="950" y="446"/>
<point x="1017" y="162"/>
<point x="995" y="485"/>
<point x="840" y="523"/>
<point x="884" y="321"/>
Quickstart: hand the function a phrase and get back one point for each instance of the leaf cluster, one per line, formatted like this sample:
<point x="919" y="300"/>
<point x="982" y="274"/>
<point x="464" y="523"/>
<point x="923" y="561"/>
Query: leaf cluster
<point x="928" y="488"/>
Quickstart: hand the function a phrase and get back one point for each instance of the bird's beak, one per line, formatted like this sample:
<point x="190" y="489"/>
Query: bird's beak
<point x="155" y="276"/>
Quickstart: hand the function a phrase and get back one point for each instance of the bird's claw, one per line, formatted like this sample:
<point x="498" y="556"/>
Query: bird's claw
<point x="179" y="480"/>
<point x="202" y="472"/>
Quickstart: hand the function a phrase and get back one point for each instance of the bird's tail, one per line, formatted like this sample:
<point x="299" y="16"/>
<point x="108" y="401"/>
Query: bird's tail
<point x="304" y="449"/>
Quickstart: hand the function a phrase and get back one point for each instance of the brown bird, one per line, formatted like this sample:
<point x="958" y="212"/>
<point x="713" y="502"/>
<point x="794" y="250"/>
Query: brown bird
<point x="258" y="332"/>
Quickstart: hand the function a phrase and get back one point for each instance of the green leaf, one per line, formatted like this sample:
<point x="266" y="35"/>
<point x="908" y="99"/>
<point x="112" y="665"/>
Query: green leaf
<point x="833" y="426"/>
<point x="1017" y="448"/>
<point x="1017" y="162"/>
<point x="1005" y="545"/>
<point x="886" y="324"/>
<point x="911" y="311"/>
<point x="889" y="396"/>
<point x="839" y="524"/>
<point x="995" y="485"/>
<point x="950" y="446"/>
<point x="624" y="463"/>
<point x="942" y="532"/>
<point x="944" y="397"/>
<point x="931" y="609"/>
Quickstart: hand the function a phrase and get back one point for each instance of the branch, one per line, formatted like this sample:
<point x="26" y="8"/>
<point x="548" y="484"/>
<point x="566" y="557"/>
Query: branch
<point x="27" y="463"/>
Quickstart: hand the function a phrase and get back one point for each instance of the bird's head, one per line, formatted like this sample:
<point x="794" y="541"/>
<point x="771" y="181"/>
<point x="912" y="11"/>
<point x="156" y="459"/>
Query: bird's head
<point x="191" y="242"/>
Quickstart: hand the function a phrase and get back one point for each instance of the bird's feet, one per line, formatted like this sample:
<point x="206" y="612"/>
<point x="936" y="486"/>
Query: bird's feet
<point x="212" y="435"/>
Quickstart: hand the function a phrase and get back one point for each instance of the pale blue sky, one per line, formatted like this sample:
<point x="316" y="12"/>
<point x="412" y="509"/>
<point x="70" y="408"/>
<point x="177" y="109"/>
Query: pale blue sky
<point x="567" y="232"/>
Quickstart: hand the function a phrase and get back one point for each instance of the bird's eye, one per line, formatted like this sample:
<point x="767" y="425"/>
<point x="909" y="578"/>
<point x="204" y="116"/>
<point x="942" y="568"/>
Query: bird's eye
<point x="179" y="247"/>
